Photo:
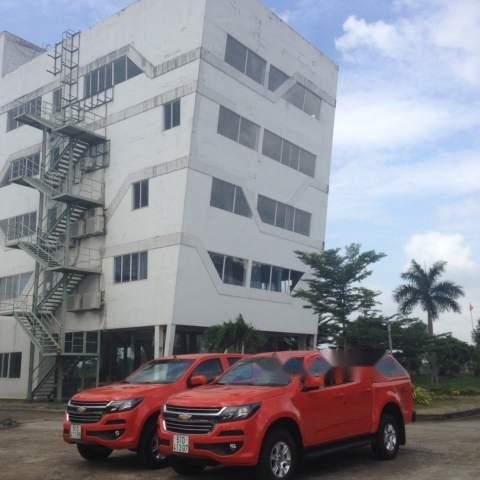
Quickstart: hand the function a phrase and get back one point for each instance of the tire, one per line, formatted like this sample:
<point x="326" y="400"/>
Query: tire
<point x="93" y="453"/>
<point x="184" y="467"/>
<point x="147" y="452"/>
<point x="387" y="440"/>
<point x="279" y="457"/>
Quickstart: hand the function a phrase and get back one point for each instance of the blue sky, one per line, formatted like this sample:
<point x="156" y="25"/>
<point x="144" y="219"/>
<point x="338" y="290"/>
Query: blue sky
<point x="406" y="158"/>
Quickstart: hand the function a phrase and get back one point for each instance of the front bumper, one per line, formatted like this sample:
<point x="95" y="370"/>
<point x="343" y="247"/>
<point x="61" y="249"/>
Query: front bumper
<point x="230" y="444"/>
<point x="115" y="431"/>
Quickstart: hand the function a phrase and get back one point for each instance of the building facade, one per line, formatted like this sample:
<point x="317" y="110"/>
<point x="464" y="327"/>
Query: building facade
<point x="157" y="173"/>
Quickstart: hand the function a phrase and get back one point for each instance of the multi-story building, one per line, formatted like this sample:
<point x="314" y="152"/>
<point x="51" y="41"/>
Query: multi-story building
<point x="157" y="174"/>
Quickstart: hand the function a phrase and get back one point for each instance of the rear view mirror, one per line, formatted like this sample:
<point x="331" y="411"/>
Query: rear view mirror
<point x="312" y="383"/>
<point x="198" y="381"/>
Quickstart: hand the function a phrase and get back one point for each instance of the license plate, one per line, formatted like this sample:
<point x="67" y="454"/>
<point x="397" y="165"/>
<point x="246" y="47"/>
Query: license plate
<point x="180" y="443"/>
<point x="76" y="432"/>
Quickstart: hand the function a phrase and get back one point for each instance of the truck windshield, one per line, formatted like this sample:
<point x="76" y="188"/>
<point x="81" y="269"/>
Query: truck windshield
<point x="267" y="372"/>
<point x="160" y="371"/>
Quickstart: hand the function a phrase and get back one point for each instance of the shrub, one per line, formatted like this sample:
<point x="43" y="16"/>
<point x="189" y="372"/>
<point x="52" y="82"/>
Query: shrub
<point x="422" y="396"/>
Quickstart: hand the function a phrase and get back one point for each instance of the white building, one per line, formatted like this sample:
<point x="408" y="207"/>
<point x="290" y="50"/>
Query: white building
<point x="157" y="175"/>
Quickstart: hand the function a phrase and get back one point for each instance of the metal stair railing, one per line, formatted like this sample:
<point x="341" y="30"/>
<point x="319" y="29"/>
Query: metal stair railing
<point x="53" y="298"/>
<point x="41" y="374"/>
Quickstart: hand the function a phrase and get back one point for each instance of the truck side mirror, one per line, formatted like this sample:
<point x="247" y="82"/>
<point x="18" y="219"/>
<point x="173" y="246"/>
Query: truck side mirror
<point x="197" y="381"/>
<point x="312" y="383"/>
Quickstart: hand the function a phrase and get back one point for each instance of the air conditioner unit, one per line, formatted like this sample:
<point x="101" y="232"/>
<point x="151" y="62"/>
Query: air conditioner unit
<point x="77" y="229"/>
<point x="84" y="302"/>
<point x="74" y="303"/>
<point x="95" y="226"/>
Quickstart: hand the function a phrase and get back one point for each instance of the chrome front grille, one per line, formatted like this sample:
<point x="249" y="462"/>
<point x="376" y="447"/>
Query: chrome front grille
<point x="192" y="421"/>
<point x="85" y="412"/>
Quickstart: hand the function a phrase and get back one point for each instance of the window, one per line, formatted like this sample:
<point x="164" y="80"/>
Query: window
<point x="131" y="267"/>
<point x="276" y="78"/>
<point x="13" y="286"/>
<point x="319" y="367"/>
<point x="25" y="167"/>
<point x="231" y="270"/>
<point x="57" y="100"/>
<point x="10" y="365"/>
<point x="294" y="366"/>
<point x="171" y="112"/>
<point x="284" y="216"/>
<point x="140" y="194"/>
<point x="81" y="342"/>
<point x="33" y="107"/>
<point x="238" y="129"/>
<point x="210" y="368"/>
<point x="108" y="75"/>
<point x="232" y="360"/>
<point x="229" y="197"/>
<point x="304" y="99"/>
<point x="389" y="367"/>
<point x="288" y="154"/>
<point x="19" y="226"/>
<point x="245" y="60"/>
<point x="275" y="279"/>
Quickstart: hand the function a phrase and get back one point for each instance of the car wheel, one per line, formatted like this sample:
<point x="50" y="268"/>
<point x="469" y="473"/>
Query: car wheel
<point x="387" y="440"/>
<point x="279" y="456"/>
<point x="184" y="467"/>
<point x="93" y="453"/>
<point x="148" y="449"/>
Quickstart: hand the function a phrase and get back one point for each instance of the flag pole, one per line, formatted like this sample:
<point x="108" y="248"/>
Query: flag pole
<point x="471" y="317"/>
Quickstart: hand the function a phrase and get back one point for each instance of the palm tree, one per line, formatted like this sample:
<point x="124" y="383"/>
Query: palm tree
<point x="424" y="289"/>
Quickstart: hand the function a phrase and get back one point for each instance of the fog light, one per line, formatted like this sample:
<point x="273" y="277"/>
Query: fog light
<point x="234" y="447"/>
<point x="117" y="433"/>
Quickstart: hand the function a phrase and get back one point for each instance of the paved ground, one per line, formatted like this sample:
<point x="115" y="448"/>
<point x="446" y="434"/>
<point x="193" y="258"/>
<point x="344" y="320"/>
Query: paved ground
<point x="447" y="450"/>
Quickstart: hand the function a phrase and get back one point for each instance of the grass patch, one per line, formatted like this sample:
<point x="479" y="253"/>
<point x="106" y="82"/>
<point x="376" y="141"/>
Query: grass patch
<point x="464" y="384"/>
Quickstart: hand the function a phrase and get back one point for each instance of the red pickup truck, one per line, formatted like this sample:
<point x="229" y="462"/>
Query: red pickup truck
<point x="269" y="410"/>
<point x="124" y="415"/>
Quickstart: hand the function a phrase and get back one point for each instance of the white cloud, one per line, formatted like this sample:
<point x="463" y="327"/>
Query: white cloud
<point x="429" y="247"/>
<point x="440" y="34"/>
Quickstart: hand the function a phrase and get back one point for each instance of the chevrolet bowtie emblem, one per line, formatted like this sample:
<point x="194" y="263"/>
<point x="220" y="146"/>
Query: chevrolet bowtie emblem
<point x="81" y="409"/>
<point x="184" y="417"/>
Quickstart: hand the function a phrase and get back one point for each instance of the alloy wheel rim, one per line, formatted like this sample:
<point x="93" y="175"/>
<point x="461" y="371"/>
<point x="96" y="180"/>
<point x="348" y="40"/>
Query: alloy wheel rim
<point x="280" y="460"/>
<point x="390" y="437"/>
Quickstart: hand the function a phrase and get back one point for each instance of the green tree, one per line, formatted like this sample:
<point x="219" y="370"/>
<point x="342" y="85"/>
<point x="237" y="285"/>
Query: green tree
<point x="425" y="289"/>
<point x="454" y="356"/>
<point x="335" y="291"/>
<point x="476" y="335"/>
<point x="233" y="337"/>
<point x="409" y="337"/>
<point x="476" y="353"/>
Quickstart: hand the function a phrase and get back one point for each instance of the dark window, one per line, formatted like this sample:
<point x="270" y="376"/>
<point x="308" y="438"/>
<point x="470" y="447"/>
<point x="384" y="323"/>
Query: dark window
<point x="231" y="270"/>
<point x="171" y="114"/>
<point x="304" y="99"/>
<point x="210" y="368"/>
<point x="237" y="128"/>
<point x="245" y="60"/>
<point x="15" y="365"/>
<point x="119" y="70"/>
<point x="283" y="216"/>
<point x="91" y="342"/>
<point x="232" y="360"/>
<point x="4" y="365"/>
<point x="229" y="124"/>
<point x="276" y="78"/>
<point x="57" y="100"/>
<point x="288" y="154"/>
<point x="294" y="366"/>
<point x="276" y="279"/>
<point x="132" y="69"/>
<point x="131" y="267"/>
<point x="140" y="194"/>
<point x="229" y="197"/>
<point x="318" y="367"/>
<point x="389" y="367"/>
<point x="25" y="166"/>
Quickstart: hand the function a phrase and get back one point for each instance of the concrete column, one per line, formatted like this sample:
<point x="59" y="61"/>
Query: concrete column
<point x="169" y="339"/>
<point x="158" y="341"/>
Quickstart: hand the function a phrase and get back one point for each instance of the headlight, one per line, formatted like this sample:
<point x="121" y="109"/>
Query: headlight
<point x="122" y="405"/>
<point x="231" y="414"/>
